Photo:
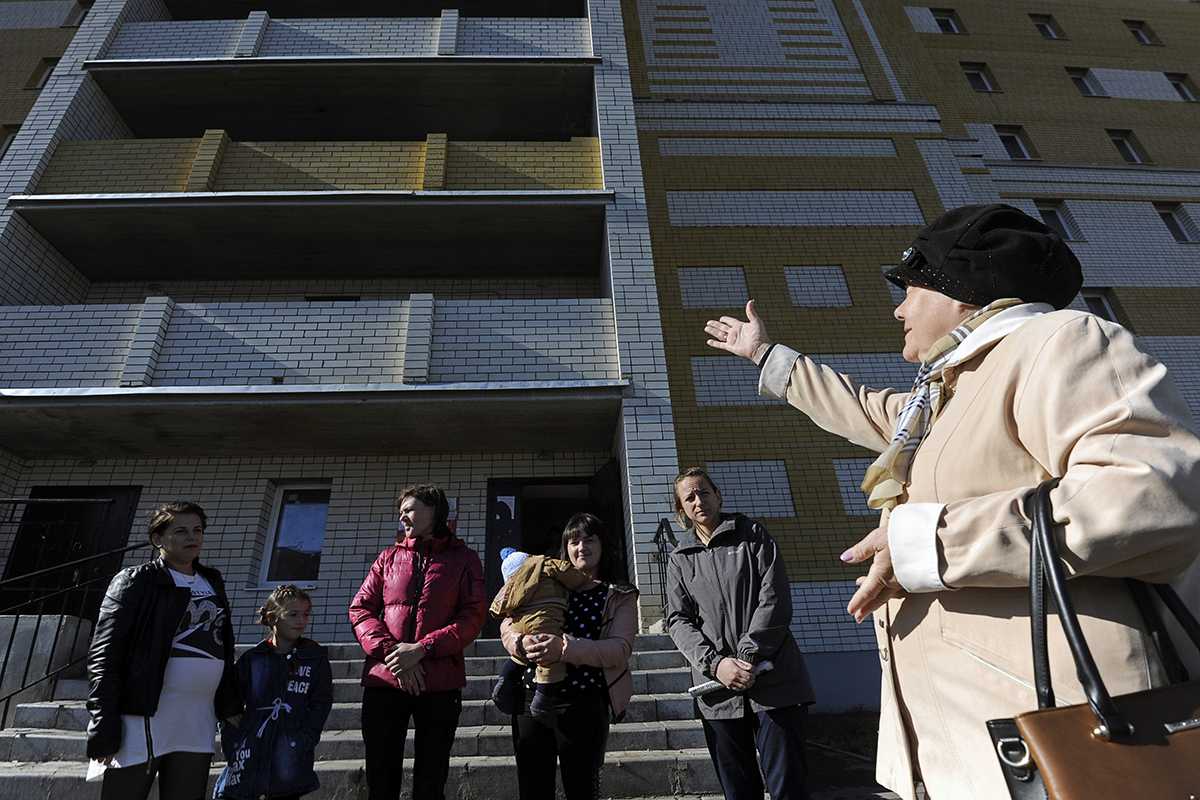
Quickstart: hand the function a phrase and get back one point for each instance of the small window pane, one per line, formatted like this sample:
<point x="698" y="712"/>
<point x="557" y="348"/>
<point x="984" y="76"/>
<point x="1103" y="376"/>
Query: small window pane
<point x="299" y="535"/>
<point x="1182" y="85"/>
<point x="1054" y="221"/>
<point x="1098" y="303"/>
<point x="1141" y="31"/>
<point x="1127" y="145"/>
<point x="1056" y="216"/>
<point x="947" y="20"/>
<point x="1177" y="222"/>
<point x="1012" y="137"/>
<point x="42" y="73"/>
<point x="1047" y="26"/>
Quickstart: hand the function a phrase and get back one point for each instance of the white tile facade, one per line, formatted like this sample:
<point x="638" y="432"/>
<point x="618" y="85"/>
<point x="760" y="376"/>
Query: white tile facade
<point x="754" y="488"/>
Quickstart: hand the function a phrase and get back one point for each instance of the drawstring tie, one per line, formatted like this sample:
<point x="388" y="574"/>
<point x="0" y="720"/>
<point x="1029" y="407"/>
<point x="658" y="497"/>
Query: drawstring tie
<point x="274" y="709"/>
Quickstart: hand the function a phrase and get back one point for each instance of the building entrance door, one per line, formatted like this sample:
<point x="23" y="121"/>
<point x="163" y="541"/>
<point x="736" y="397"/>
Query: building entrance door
<point x="530" y="514"/>
<point x="59" y="524"/>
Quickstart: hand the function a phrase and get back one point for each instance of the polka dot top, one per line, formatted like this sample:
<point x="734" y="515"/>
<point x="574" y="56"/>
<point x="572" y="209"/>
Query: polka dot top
<point x="585" y="616"/>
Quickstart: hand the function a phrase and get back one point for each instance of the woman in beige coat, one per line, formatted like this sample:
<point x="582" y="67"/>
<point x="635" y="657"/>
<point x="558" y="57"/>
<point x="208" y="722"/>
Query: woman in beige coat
<point x="1010" y="393"/>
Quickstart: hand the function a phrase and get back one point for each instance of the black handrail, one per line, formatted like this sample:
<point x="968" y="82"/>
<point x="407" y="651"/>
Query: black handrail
<point x="664" y="542"/>
<point x="82" y="582"/>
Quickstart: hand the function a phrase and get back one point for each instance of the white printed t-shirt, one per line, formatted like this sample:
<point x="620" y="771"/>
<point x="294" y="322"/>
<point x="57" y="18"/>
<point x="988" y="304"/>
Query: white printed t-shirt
<point x="186" y="720"/>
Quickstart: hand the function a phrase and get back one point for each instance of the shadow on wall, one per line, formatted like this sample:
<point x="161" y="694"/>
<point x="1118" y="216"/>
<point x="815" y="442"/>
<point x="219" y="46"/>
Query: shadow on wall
<point x="321" y="166"/>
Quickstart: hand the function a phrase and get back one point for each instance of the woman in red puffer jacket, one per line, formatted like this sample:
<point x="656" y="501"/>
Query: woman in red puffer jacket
<point x="420" y="606"/>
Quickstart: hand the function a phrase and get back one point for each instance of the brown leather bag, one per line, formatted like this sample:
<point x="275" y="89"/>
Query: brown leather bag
<point x="1144" y="745"/>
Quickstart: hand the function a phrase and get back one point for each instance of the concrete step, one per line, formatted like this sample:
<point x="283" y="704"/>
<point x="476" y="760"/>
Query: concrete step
<point x="36" y="745"/>
<point x="480" y="648"/>
<point x="644" y="774"/>
<point x="490" y="665"/>
<point x="71" y="715"/>
<point x="479" y="687"/>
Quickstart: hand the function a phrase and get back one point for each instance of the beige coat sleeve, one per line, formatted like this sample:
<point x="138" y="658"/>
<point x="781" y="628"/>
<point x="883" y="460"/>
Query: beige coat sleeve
<point x="833" y="401"/>
<point x="1106" y="418"/>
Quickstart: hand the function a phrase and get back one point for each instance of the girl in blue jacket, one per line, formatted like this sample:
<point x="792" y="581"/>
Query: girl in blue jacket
<point x="288" y="688"/>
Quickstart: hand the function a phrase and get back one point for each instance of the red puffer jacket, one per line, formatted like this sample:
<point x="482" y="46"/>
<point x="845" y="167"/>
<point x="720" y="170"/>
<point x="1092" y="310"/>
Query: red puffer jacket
<point x="429" y="592"/>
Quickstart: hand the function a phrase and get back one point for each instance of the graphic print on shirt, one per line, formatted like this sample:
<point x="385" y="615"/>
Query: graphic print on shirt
<point x="199" y="634"/>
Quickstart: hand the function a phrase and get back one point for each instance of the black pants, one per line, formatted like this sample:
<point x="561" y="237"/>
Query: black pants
<point x="576" y="738"/>
<point x="778" y="735"/>
<point x="181" y="776"/>
<point x="385" y="717"/>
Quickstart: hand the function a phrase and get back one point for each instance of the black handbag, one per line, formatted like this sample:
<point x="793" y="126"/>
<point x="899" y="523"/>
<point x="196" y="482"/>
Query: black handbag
<point x="1145" y="743"/>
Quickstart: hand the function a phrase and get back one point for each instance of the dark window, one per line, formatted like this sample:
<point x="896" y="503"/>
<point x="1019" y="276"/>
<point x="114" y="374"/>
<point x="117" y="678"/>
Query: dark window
<point x="979" y="76"/>
<point x="1047" y="26"/>
<point x="1099" y="302"/>
<point x="947" y="20"/>
<point x="7" y="134"/>
<point x="1182" y="85"/>
<point x="1181" y="226"/>
<point x="1086" y="82"/>
<point x="1016" y="142"/>
<point x="1056" y="216"/>
<point x="1141" y="32"/>
<point x="75" y="15"/>
<point x="1128" y="146"/>
<point x="297" y="533"/>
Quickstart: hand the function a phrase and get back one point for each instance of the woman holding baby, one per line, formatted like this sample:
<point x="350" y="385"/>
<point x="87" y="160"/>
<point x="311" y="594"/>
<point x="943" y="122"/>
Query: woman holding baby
<point x="597" y="640"/>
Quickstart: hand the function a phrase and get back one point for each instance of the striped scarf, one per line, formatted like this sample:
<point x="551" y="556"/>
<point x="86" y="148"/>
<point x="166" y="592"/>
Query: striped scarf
<point x="886" y="478"/>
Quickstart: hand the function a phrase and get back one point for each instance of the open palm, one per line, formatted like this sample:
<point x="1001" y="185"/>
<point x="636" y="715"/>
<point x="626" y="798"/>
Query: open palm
<point x="742" y="338"/>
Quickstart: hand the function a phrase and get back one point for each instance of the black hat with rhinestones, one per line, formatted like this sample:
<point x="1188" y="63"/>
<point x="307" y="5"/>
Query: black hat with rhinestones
<point x="979" y="254"/>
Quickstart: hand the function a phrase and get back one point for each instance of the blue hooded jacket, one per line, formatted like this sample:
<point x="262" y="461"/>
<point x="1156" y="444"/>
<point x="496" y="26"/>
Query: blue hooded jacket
<point x="288" y="698"/>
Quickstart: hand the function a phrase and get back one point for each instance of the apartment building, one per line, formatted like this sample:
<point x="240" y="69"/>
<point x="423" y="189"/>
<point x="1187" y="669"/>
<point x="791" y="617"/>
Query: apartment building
<point x="285" y="258"/>
<point x="791" y="149"/>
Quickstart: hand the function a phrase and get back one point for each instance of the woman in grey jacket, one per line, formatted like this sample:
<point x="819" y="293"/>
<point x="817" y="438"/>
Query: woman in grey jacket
<point x="729" y="610"/>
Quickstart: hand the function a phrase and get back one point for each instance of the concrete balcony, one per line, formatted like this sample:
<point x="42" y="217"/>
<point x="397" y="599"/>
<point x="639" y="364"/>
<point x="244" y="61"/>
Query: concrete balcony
<point x="226" y="208"/>
<point x="353" y="78"/>
<point x="356" y="376"/>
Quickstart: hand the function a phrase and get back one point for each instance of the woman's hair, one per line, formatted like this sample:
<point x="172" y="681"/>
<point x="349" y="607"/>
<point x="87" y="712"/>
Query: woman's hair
<point x="584" y="524"/>
<point x="165" y="514"/>
<point x="430" y="495"/>
<point x="277" y="602"/>
<point x="690" y="472"/>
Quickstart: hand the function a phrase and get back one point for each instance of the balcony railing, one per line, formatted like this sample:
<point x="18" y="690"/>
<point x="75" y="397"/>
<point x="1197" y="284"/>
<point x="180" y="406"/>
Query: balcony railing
<point x="214" y="163"/>
<point x="414" y="341"/>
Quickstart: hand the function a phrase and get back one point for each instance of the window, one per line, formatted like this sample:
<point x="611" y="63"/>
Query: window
<point x="297" y="533"/>
<point x="42" y="74"/>
<point x="1099" y="302"/>
<point x="947" y="20"/>
<point x="1047" y="26"/>
<point x="1182" y="85"/>
<point x="7" y="134"/>
<point x="1183" y="229"/>
<point x="1141" y="32"/>
<point x="1128" y="146"/>
<point x="1016" y="142"/>
<point x="1086" y="82"/>
<point x="1056" y="216"/>
<point x="979" y="76"/>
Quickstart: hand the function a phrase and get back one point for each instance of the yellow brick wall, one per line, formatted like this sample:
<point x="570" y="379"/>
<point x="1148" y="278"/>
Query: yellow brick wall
<point x="20" y="53"/>
<point x="1031" y="73"/>
<point x="317" y="166"/>
<point x="524" y="165"/>
<point x="121" y="165"/>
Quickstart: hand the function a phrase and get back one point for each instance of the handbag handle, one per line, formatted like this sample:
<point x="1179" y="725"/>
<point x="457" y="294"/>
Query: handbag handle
<point x="1112" y="725"/>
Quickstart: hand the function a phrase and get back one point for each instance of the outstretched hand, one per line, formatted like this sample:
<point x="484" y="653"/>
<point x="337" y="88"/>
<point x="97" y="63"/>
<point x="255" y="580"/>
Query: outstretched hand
<point x="879" y="584"/>
<point x="747" y="339"/>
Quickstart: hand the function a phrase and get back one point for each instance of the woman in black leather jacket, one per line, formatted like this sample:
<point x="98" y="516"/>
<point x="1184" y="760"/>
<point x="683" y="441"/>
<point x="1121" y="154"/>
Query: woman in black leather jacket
<point x="161" y="667"/>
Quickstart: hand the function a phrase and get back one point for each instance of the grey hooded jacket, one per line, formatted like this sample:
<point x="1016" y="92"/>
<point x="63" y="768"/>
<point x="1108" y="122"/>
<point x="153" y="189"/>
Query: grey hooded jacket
<point x="731" y="598"/>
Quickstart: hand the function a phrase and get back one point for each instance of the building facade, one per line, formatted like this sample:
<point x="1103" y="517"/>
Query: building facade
<point x="284" y="263"/>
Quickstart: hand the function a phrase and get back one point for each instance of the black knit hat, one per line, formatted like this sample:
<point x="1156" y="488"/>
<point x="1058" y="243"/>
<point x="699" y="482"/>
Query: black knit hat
<point x="979" y="254"/>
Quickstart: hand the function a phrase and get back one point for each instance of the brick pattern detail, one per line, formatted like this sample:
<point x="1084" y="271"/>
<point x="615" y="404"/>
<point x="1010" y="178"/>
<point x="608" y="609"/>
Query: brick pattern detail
<point x="215" y="38"/>
<point x="574" y="164"/>
<point x="849" y="473"/>
<point x="125" y="165"/>
<point x="817" y="287"/>
<point x="238" y="494"/>
<point x="1181" y="354"/>
<point x="820" y="622"/>
<point x="1136" y="84"/>
<point x="713" y="287"/>
<point x="318" y="166"/>
<point x="754" y="488"/>
<point x="778" y="148"/>
<point x="500" y="36"/>
<point x="364" y="36"/>
<point x="922" y="19"/>
<point x="523" y="340"/>
<point x="207" y="163"/>
<point x="435" y="162"/>
<point x="65" y="345"/>
<point x="148" y="338"/>
<point x="448" y="32"/>
<point x="787" y="117"/>
<point x="253" y="31"/>
<point x="715" y="209"/>
<point x="418" y="342"/>
<point x="727" y="381"/>
<point x="25" y="14"/>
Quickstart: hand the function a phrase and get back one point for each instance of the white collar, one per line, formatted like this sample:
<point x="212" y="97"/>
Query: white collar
<point x="995" y="329"/>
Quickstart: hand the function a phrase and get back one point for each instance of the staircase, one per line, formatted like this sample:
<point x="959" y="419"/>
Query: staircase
<point x="656" y="751"/>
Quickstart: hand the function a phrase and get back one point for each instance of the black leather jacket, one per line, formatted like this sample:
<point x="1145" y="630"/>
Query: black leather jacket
<point x="130" y="647"/>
